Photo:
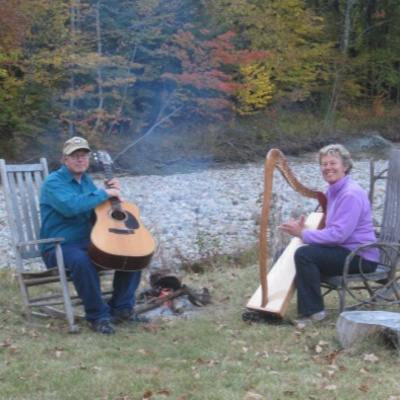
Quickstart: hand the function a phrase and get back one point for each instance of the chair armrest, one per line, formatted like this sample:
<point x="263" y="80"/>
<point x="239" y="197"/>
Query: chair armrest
<point x="383" y="247"/>
<point x="40" y="241"/>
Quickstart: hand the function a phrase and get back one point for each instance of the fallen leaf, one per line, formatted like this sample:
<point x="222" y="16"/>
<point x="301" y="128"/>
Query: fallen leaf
<point x="252" y="396"/>
<point x="371" y="358"/>
<point x="331" y="373"/>
<point x="14" y="351"/>
<point x="163" y="391"/>
<point x="318" y="348"/>
<point x="33" y="333"/>
<point x="152" y="328"/>
<point x="364" y="388"/>
<point x="331" y="387"/>
<point x="147" y="394"/>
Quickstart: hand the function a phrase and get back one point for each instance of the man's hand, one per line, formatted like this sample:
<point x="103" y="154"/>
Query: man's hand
<point x="113" y="188"/>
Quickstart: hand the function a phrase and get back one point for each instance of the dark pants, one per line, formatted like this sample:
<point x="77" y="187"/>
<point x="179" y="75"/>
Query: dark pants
<point x="313" y="261"/>
<point x="85" y="277"/>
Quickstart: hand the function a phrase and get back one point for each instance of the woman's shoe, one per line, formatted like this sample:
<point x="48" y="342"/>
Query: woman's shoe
<point x="312" y="319"/>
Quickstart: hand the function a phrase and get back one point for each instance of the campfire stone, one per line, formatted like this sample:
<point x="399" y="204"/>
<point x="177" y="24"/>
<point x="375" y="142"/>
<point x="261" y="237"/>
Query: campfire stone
<point x="354" y="326"/>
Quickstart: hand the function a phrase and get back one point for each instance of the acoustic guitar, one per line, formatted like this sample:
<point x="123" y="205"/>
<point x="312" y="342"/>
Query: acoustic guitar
<point x="119" y="240"/>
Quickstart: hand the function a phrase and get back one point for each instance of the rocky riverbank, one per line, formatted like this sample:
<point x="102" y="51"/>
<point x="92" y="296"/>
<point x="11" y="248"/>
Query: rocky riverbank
<point x="214" y="211"/>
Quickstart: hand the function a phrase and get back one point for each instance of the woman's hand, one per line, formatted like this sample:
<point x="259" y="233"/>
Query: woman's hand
<point x="294" y="227"/>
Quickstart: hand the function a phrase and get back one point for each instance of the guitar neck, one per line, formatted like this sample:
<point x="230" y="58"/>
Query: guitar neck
<point x="115" y="203"/>
<point x="108" y="172"/>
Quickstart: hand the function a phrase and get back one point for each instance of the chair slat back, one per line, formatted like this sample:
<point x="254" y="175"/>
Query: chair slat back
<point x="21" y="185"/>
<point x="390" y="227"/>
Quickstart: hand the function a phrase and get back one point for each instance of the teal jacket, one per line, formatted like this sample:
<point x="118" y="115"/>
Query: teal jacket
<point x="66" y="207"/>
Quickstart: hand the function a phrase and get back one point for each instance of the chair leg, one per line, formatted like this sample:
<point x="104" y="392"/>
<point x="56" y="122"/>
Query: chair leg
<point x="341" y="294"/>
<point x="25" y="299"/>
<point x="73" y="328"/>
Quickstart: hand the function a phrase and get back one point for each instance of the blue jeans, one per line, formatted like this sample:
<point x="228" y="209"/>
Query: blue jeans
<point x="315" y="260"/>
<point x="85" y="277"/>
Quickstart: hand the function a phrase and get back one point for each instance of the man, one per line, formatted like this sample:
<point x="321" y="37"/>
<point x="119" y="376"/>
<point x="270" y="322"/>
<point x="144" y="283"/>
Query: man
<point x="67" y="201"/>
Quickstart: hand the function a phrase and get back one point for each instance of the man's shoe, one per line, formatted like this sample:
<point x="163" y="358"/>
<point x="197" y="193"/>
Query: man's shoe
<point x="129" y="317"/>
<point x="103" y="326"/>
<point x="312" y="319"/>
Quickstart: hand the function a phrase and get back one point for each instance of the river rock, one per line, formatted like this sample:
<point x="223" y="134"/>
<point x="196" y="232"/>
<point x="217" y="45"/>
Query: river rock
<point x="215" y="211"/>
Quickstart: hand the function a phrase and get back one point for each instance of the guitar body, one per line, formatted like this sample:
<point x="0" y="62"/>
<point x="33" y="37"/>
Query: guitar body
<point x="118" y="239"/>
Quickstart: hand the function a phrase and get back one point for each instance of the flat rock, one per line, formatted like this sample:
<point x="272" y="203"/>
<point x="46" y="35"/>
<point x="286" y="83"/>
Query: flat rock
<point x="354" y="326"/>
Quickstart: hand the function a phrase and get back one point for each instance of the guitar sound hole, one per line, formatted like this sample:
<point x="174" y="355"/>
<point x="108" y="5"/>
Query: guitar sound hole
<point x="118" y="215"/>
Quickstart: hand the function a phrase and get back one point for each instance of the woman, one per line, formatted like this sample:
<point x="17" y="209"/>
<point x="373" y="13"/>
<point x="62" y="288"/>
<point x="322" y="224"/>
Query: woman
<point x="348" y="225"/>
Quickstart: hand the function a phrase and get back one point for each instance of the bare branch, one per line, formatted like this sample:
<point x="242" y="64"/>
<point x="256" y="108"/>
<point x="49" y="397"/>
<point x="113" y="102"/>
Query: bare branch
<point x="157" y="123"/>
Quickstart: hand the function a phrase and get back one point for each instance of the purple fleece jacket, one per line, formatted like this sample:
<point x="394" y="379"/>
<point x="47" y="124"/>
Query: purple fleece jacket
<point x="348" y="219"/>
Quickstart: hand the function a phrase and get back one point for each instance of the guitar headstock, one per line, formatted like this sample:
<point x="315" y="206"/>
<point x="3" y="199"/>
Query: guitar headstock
<point x="102" y="157"/>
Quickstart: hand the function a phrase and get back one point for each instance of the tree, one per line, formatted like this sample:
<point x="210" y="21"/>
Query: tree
<point x="207" y="67"/>
<point x="293" y="35"/>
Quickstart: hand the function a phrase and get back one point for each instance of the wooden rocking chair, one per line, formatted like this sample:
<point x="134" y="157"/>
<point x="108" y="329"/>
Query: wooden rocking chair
<point x="382" y="287"/>
<point x="21" y="185"/>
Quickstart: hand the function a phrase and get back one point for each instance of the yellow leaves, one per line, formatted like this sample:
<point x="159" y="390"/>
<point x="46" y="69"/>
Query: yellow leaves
<point x="257" y="90"/>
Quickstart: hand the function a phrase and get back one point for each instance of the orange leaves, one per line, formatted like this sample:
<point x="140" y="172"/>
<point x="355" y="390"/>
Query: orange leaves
<point x="208" y="65"/>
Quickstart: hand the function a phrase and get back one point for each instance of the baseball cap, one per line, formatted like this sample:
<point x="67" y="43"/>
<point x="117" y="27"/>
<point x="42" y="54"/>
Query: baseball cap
<point x="75" y="143"/>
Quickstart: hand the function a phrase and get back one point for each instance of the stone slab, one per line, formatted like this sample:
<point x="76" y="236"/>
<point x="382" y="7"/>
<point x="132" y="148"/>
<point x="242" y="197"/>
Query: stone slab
<point x="353" y="326"/>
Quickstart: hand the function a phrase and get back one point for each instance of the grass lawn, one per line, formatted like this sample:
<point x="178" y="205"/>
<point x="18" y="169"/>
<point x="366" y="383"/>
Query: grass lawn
<point x="213" y="356"/>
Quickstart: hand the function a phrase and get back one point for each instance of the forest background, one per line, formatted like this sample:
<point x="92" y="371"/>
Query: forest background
<point x="156" y="82"/>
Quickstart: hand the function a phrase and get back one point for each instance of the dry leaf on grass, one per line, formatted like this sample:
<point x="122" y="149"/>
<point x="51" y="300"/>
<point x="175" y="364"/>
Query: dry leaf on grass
<point x="364" y="388"/>
<point x="147" y="394"/>
<point x="163" y="391"/>
<point x="371" y="358"/>
<point x="7" y="343"/>
<point x="13" y="351"/>
<point x="252" y="396"/>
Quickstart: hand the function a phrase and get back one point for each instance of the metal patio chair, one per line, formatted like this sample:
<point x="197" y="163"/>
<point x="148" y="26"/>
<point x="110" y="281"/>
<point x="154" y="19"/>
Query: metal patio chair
<point x="380" y="288"/>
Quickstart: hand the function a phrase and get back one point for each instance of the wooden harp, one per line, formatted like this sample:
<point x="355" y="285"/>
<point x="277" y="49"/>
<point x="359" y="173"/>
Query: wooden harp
<point x="278" y="286"/>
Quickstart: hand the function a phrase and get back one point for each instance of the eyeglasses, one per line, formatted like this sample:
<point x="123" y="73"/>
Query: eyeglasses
<point x="83" y="156"/>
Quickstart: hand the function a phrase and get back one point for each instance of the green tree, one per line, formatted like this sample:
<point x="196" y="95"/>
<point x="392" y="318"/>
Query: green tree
<point x="293" y="35"/>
